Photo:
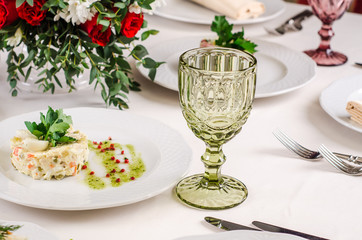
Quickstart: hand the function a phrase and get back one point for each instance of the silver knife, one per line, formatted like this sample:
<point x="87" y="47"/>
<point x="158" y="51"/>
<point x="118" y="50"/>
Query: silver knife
<point x="292" y="24"/>
<point x="272" y="228"/>
<point x="226" y="225"/>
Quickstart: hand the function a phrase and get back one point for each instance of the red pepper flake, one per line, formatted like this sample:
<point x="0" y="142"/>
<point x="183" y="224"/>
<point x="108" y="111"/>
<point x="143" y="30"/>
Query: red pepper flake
<point x="112" y="148"/>
<point x="126" y="160"/>
<point x="118" y="161"/>
<point x="106" y="149"/>
<point x="91" y="173"/>
<point x="109" y="138"/>
<point x="95" y="143"/>
<point x="122" y="152"/>
<point x="99" y="146"/>
<point x="118" y="180"/>
<point x="122" y="170"/>
<point x="107" y="175"/>
<point x="103" y="150"/>
<point x="112" y="145"/>
<point x="100" y="143"/>
<point x="133" y="178"/>
<point x="112" y="158"/>
<point x="113" y="171"/>
<point x="84" y="167"/>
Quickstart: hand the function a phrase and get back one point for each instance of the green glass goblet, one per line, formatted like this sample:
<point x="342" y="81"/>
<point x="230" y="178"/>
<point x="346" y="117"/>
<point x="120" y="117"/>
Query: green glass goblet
<point x="216" y="90"/>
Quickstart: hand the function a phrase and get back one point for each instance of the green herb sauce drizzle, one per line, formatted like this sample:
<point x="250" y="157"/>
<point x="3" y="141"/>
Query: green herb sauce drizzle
<point x="121" y="162"/>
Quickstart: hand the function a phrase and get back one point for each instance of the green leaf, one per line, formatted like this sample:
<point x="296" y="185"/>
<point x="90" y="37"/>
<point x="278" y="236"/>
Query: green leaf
<point x="96" y="58"/>
<point x="105" y="23"/>
<point x="28" y="73"/>
<point x="93" y="74"/>
<point x="52" y="127"/>
<point x="59" y="127"/>
<point x="146" y="34"/>
<point x="14" y="93"/>
<point x="30" y="2"/>
<point x="119" y="5"/>
<point x="29" y="59"/>
<point x="13" y="83"/>
<point x="152" y="74"/>
<point x="19" y="3"/>
<point x="66" y="139"/>
<point x="139" y="51"/>
<point x="227" y="39"/>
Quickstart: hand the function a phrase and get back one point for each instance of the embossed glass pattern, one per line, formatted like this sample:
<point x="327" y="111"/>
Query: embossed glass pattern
<point x="216" y="88"/>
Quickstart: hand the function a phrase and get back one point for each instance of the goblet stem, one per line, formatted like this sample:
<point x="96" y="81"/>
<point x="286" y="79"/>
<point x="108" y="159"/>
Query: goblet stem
<point x="213" y="159"/>
<point x="326" y="33"/>
<point x="323" y="55"/>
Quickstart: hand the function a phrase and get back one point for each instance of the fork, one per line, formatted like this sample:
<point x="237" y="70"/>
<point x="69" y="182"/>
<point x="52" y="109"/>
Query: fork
<point x="306" y="153"/>
<point x="347" y="168"/>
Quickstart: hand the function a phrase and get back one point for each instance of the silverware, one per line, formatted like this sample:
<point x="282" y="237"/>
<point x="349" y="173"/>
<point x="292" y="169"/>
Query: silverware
<point x="306" y="153"/>
<point x="225" y="225"/>
<point x="272" y="228"/>
<point x="358" y="63"/>
<point x="347" y="168"/>
<point x="292" y="24"/>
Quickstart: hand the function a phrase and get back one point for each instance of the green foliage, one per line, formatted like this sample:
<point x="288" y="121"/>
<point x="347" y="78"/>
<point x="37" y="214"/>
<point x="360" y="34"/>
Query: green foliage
<point x="52" y="127"/>
<point x="5" y="230"/>
<point x="59" y="48"/>
<point x="228" y="39"/>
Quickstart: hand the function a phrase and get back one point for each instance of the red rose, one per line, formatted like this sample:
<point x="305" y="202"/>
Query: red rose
<point x="8" y="12"/>
<point x="32" y="14"/>
<point x="131" y="24"/>
<point x="94" y="31"/>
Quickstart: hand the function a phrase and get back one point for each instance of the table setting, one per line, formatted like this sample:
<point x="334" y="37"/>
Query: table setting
<point x="192" y="142"/>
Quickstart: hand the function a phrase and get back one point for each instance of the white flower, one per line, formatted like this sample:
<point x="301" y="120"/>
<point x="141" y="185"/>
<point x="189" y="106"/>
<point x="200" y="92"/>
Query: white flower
<point x="15" y="40"/>
<point x="154" y="5"/>
<point x="77" y="11"/>
<point x="135" y="8"/>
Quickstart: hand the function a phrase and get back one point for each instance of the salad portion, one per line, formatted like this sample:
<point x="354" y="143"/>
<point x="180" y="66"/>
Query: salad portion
<point x="49" y="149"/>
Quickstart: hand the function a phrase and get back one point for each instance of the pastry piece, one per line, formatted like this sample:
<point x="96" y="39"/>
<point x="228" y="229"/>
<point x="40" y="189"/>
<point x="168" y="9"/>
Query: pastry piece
<point x="39" y="160"/>
<point x="236" y="9"/>
<point x="354" y="108"/>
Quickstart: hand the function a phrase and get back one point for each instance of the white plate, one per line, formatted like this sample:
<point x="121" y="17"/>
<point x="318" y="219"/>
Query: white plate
<point x="334" y="99"/>
<point x="163" y="150"/>
<point x="30" y="230"/>
<point x="280" y="69"/>
<point x="243" y="235"/>
<point x="187" y="11"/>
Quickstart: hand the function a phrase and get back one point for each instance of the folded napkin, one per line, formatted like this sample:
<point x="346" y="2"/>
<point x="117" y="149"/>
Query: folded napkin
<point x="354" y="108"/>
<point x="237" y="9"/>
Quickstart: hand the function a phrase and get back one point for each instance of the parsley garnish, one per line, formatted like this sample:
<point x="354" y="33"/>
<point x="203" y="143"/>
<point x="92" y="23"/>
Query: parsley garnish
<point x="52" y="128"/>
<point x="5" y="230"/>
<point x="228" y="39"/>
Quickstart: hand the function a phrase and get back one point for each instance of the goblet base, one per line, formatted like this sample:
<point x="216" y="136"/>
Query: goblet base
<point x="327" y="58"/>
<point x="229" y="193"/>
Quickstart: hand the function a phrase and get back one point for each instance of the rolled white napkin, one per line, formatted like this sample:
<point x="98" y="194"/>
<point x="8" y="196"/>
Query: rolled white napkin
<point x="354" y="108"/>
<point x="237" y="9"/>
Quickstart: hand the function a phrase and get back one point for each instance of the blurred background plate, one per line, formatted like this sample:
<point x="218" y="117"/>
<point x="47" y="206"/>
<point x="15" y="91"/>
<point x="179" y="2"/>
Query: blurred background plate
<point x="334" y="99"/>
<point x="188" y="11"/>
<point x="29" y="230"/>
<point x="280" y="69"/>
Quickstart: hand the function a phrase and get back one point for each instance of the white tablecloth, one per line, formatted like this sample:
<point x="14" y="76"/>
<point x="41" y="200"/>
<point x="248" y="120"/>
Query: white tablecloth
<point x="283" y="189"/>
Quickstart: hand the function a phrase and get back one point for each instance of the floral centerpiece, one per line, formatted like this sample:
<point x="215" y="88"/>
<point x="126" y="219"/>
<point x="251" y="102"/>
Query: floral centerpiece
<point x="69" y="36"/>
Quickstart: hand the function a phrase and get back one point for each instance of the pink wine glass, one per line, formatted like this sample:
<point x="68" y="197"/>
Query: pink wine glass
<point x="327" y="11"/>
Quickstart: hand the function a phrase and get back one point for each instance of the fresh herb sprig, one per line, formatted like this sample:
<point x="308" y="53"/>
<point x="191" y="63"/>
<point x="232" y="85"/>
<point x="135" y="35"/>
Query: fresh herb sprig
<point x="52" y="128"/>
<point x="228" y="39"/>
<point x="5" y="230"/>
